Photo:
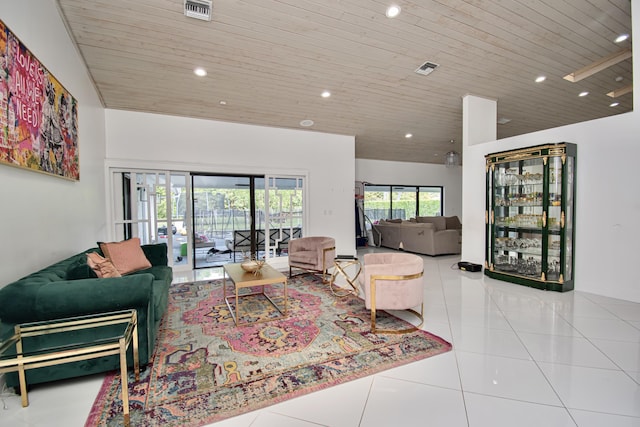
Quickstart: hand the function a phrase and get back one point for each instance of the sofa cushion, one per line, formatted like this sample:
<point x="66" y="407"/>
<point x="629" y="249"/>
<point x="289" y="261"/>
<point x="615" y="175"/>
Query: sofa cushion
<point x="160" y="272"/>
<point x="127" y="256"/>
<point x="80" y="270"/>
<point x="395" y="220"/>
<point x="102" y="266"/>
<point x="453" y="223"/>
<point x="156" y="253"/>
<point x="438" y="221"/>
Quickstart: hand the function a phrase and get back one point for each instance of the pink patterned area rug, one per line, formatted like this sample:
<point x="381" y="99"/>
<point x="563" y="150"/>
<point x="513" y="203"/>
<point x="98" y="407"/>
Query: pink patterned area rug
<point x="205" y="369"/>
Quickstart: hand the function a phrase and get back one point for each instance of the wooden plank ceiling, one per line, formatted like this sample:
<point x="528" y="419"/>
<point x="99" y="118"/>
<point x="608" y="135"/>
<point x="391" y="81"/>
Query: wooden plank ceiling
<point x="269" y="60"/>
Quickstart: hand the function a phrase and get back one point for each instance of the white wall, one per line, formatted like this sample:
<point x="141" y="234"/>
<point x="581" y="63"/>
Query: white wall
<point x="44" y="218"/>
<point x="607" y="201"/>
<point x="187" y="144"/>
<point x="405" y="173"/>
<point x="607" y="196"/>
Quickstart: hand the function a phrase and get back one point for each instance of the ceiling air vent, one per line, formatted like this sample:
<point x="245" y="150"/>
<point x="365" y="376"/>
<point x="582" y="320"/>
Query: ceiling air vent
<point x="199" y="9"/>
<point x="426" y="68"/>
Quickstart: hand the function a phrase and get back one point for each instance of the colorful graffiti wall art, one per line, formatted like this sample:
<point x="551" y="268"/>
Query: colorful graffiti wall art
<point x="38" y="116"/>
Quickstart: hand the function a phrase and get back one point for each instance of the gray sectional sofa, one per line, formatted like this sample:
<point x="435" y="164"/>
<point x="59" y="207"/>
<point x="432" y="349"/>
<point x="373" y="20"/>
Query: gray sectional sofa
<point x="428" y="235"/>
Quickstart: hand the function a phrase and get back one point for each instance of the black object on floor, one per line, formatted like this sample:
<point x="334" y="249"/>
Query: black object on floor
<point x="469" y="266"/>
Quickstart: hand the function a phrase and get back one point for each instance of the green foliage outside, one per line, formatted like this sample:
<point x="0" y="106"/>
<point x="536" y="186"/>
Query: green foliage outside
<point x="429" y="208"/>
<point x="219" y="211"/>
<point x="406" y="207"/>
<point x="378" y="203"/>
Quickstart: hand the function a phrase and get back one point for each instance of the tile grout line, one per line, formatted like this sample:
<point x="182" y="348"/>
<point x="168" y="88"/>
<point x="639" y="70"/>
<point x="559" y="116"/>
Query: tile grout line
<point x="564" y="405"/>
<point x="596" y="346"/>
<point x="453" y="349"/>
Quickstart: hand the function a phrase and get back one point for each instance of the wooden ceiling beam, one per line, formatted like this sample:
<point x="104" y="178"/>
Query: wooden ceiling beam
<point x="599" y="65"/>
<point x="622" y="91"/>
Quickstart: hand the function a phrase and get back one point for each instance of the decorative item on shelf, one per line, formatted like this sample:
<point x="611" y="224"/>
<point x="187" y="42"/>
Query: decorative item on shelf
<point x="252" y="265"/>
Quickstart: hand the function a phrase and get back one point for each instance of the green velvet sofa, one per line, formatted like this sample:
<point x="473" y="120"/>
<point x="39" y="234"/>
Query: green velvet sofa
<point x="70" y="288"/>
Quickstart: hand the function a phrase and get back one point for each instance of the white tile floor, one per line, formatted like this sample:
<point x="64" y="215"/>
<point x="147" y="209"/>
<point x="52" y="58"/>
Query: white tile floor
<point x="521" y="357"/>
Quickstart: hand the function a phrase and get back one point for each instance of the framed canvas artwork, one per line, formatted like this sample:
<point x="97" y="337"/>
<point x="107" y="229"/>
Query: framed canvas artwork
<point x="38" y="116"/>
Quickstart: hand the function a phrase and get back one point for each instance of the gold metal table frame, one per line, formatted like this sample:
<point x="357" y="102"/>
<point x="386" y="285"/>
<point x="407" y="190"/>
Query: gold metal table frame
<point x="242" y="279"/>
<point x="341" y="263"/>
<point x="116" y="344"/>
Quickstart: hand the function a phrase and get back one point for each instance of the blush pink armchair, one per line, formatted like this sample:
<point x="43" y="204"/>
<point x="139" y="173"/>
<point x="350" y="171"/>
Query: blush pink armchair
<point x="393" y="281"/>
<point x="312" y="254"/>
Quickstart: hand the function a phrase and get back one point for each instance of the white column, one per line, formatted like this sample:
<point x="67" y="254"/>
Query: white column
<point x="479" y="120"/>
<point x="479" y="125"/>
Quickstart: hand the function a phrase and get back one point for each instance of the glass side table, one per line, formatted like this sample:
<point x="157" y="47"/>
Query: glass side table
<point x="69" y="340"/>
<point x="341" y="264"/>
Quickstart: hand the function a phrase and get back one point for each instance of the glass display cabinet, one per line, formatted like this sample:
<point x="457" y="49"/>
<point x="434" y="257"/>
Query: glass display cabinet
<point x="530" y="210"/>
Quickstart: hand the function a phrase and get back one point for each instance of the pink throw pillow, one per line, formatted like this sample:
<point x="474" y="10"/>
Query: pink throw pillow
<point x="127" y="256"/>
<point x="102" y="266"/>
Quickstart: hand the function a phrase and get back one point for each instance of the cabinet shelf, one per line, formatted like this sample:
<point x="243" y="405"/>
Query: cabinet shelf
<point x="508" y="187"/>
<point x="530" y="208"/>
<point x="529" y="251"/>
<point x="512" y="229"/>
<point x="520" y="205"/>
<point x="536" y="230"/>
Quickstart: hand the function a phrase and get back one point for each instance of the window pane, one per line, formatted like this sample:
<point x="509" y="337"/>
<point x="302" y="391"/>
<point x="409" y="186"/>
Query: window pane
<point x="430" y="201"/>
<point x="377" y="202"/>
<point x="285" y="213"/>
<point x="221" y="205"/>
<point x="404" y="202"/>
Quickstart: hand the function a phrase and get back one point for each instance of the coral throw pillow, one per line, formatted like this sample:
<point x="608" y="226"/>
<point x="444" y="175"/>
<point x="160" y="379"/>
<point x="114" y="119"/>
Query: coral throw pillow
<point x="127" y="256"/>
<point x="102" y="266"/>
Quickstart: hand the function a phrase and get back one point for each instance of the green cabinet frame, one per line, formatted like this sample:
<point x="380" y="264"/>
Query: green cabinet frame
<point x="530" y="216"/>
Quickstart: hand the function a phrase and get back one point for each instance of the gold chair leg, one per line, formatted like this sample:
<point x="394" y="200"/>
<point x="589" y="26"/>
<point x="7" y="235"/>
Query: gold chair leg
<point x="419" y="316"/>
<point x="372" y="288"/>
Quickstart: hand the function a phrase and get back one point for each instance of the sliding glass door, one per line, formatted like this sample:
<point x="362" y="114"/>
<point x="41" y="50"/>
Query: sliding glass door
<point x="208" y="220"/>
<point x="223" y="219"/>
<point x="151" y="205"/>
<point x="236" y="217"/>
<point x="284" y="212"/>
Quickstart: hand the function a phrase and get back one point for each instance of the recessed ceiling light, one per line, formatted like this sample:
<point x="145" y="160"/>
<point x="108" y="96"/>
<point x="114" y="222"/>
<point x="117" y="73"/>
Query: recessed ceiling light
<point x="393" y="11"/>
<point x="200" y="72"/>
<point x="408" y="135"/>
<point x="503" y="120"/>
<point x="540" y="79"/>
<point x="223" y="102"/>
<point x="614" y="104"/>
<point x="621" y="38"/>
<point x="306" y="123"/>
<point x="326" y="94"/>
<point x="584" y="93"/>
<point x="619" y="78"/>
